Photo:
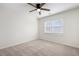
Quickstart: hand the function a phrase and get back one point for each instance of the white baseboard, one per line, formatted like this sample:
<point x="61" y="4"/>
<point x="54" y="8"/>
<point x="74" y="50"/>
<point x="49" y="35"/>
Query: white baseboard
<point x="65" y="43"/>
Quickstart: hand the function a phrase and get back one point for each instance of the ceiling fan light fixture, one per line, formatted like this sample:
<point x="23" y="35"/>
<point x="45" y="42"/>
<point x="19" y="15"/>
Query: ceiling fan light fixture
<point x="38" y="7"/>
<point x="38" y="10"/>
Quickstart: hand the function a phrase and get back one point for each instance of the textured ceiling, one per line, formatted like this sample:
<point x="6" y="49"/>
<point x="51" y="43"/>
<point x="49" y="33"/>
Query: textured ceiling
<point x="56" y="8"/>
<point x="25" y="8"/>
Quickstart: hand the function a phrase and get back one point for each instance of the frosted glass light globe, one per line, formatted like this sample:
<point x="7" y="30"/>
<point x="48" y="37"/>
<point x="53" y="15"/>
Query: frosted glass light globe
<point x="38" y="10"/>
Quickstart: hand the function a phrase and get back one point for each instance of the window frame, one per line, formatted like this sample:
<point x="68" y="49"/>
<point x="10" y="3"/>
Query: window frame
<point x="61" y="29"/>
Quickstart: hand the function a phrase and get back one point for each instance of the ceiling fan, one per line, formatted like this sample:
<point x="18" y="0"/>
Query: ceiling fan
<point x="38" y="7"/>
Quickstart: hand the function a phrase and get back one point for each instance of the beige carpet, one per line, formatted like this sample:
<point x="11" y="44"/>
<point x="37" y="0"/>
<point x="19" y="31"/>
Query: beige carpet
<point x="40" y="48"/>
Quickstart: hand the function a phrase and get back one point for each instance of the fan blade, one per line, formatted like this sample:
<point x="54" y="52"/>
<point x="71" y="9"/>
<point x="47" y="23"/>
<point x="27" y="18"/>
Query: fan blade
<point x="31" y="5"/>
<point x="32" y="10"/>
<point x="45" y="9"/>
<point x="39" y="13"/>
<point x="42" y="4"/>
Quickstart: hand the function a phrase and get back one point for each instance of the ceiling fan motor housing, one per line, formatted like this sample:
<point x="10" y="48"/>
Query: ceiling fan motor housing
<point x="38" y="6"/>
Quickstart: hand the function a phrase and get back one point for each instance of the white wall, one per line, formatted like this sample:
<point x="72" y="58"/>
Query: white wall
<point x="16" y="25"/>
<point x="71" y="28"/>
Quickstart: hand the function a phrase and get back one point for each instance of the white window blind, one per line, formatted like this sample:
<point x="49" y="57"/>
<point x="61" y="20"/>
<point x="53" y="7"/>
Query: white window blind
<point x="54" y="26"/>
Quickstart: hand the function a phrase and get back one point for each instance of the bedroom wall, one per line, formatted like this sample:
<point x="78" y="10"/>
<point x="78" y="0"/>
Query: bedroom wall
<point x="71" y="28"/>
<point x="16" y="25"/>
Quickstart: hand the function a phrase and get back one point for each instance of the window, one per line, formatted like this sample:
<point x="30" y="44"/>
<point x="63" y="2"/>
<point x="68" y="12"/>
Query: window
<point x="54" y="26"/>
